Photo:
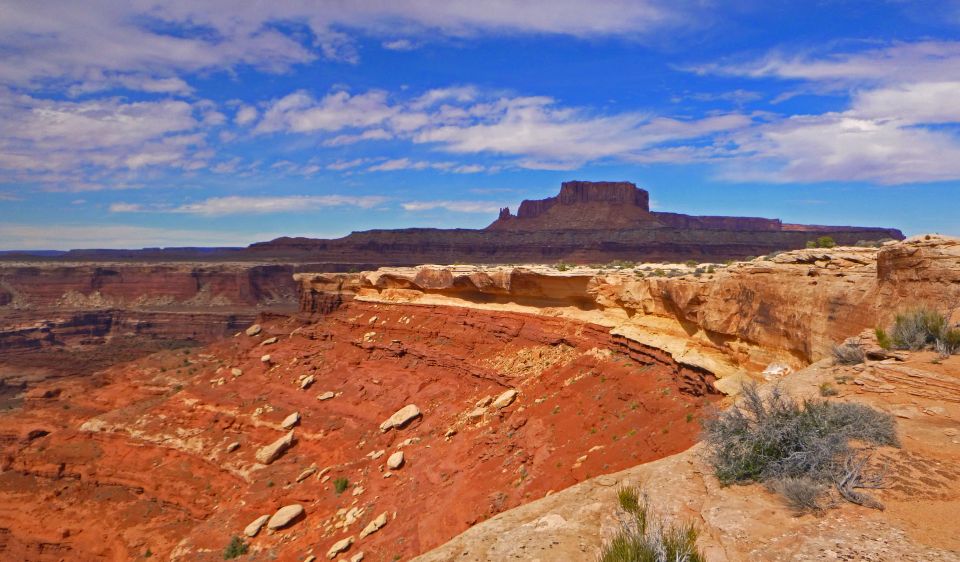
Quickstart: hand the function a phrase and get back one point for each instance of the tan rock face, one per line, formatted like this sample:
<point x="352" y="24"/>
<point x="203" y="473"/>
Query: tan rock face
<point x="789" y="309"/>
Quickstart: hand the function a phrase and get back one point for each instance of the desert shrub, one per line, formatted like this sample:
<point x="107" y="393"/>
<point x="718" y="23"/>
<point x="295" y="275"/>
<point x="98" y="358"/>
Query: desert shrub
<point x="847" y="354"/>
<point x="235" y="549"/>
<point x="826" y="389"/>
<point x="883" y="339"/>
<point x="948" y="343"/>
<point x="340" y="484"/>
<point x="645" y="540"/>
<point x="561" y="266"/>
<point x="803" y="495"/>
<point x="691" y="263"/>
<point x="822" y="242"/>
<point x="917" y="329"/>
<point x="768" y="439"/>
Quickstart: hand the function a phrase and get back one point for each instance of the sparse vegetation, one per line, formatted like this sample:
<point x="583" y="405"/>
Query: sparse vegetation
<point x="848" y="354"/>
<point x="827" y="389"/>
<point x="643" y="539"/>
<point x="917" y="329"/>
<point x="562" y="266"/>
<point x="822" y="242"/>
<point x="883" y="340"/>
<point x="773" y="438"/>
<point x="340" y="484"/>
<point x="235" y="549"/>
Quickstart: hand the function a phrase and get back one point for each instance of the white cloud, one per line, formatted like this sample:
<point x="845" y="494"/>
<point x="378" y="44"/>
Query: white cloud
<point x="922" y="61"/>
<point x="454" y="206"/>
<point x="66" y="41"/>
<point x="399" y="45"/>
<point x="44" y="136"/>
<point x="67" y="237"/>
<point x="126" y="208"/>
<point x="299" y="112"/>
<point x="899" y="126"/>
<point x="245" y="115"/>
<point x="235" y="205"/>
<point x="341" y="165"/>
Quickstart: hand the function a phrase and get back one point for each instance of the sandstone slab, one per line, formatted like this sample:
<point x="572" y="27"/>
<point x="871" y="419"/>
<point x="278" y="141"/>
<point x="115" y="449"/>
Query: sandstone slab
<point x="285" y="516"/>
<point x="401" y="417"/>
<point x="273" y="451"/>
<point x="254" y="527"/>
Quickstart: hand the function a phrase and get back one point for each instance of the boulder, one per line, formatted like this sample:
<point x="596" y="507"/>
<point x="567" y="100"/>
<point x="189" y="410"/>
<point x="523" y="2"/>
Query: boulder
<point x="307" y="473"/>
<point x="254" y="527"/>
<point x="326" y="395"/>
<point x="285" y="516"/>
<point x="290" y="421"/>
<point x="339" y="547"/>
<point x="374" y="526"/>
<point x="233" y="447"/>
<point x="358" y="557"/>
<point x="270" y="341"/>
<point x="272" y="452"/>
<point x="265" y="358"/>
<point x="254" y="330"/>
<point x="307" y="381"/>
<point x="402" y="417"/>
<point x="395" y="460"/>
<point x="475" y="415"/>
<point x="505" y="399"/>
<point x="236" y="371"/>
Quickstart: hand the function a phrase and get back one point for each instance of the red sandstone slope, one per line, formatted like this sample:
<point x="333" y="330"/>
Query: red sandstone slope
<point x="136" y="458"/>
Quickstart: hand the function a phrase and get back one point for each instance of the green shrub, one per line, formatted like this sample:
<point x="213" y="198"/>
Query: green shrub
<point x="917" y="329"/>
<point x="235" y="549"/>
<point x="340" y="484"/>
<point x="691" y="263"/>
<point x="883" y="340"/>
<point x="561" y="266"/>
<point x="645" y="540"/>
<point x="822" y="242"/>
<point x="768" y="439"/>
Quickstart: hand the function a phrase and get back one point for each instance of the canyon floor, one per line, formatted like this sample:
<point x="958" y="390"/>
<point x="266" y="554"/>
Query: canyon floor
<point x="530" y="395"/>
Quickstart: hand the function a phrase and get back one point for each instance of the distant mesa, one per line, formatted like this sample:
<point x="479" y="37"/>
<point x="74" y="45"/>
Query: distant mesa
<point x="587" y="222"/>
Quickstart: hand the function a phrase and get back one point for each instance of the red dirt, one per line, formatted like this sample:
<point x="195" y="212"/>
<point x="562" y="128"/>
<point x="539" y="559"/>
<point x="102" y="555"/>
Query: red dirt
<point x="150" y="470"/>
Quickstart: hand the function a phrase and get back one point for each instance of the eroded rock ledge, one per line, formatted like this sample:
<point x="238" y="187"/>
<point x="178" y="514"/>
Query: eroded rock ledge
<point x="787" y="308"/>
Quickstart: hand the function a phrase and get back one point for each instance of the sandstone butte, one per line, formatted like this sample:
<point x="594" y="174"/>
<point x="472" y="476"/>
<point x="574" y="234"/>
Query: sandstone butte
<point x="612" y="371"/>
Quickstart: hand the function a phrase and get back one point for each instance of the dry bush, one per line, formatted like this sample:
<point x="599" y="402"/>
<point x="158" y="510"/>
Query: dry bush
<point x="772" y="438"/>
<point x="848" y="354"/>
<point x="917" y="329"/>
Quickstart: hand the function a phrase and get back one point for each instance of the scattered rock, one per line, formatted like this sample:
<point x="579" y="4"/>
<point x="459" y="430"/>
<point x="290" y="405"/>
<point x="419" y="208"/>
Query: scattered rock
<point x="272" y="452"/>
<point x="339" y="547"/>
<point x="270" y="341"/>
<point x="358" y="557"/>
<point x="307" y="473"/>
<point x="476" y="415"/>
<point x="236" y="372"/>
<point x="395" y="461"/>
<point x="374" y="526"/>
<point x="285" y="516"/>
<point x="290" y="421"/>
<point x="253" y="330"/>
<point x="265" y="358"/>
<point x="374" y="455"/>
<point x="450" y="432"/>
<point x="408" y="442"/>
<point x="484" y="402"/>
<point x="253" y="528"/>
<point x="310" y="558"/>
<point x="401" y="417"/>
<point x="326" y="395"/>
<point x="307" y="381"/>
<point x="505" y="399"/>
<point x="233" y="447"/>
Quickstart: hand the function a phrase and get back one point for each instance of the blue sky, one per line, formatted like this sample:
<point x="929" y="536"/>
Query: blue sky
<point x="130" y="124"/>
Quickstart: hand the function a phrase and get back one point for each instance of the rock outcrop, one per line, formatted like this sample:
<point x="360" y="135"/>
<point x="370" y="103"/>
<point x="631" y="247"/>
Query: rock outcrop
<point x="732" y="321"/>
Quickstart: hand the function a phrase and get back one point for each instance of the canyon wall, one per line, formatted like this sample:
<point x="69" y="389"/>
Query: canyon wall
<point x="732" y="321"/>
<point x="73" y="318"/>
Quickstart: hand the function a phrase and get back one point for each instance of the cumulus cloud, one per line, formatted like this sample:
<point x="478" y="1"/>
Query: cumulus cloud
<point x="534" y="130"/>
<point x="238" y="205"/>
<point x="67" y="137"/>
<point x="454" y="206"/>
<point x="108" y="38"/>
